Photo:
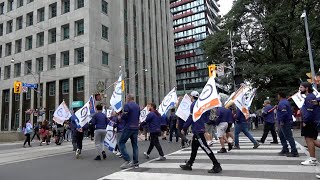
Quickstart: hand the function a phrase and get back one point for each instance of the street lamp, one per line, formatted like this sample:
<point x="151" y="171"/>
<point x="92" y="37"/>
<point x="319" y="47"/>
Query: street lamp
<point x="38" y="88"/>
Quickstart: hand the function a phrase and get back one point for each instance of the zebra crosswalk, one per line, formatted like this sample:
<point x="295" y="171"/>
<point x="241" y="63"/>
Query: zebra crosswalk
<point x="246" y="163"/>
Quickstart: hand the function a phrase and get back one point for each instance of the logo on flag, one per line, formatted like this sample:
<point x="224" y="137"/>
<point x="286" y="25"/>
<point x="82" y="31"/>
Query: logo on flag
<point x="82" y="116"/>
<point x="62" y="113"/>
<point x="144" y="113"/>
<point x="110" y="141"/>
<point x="168" y="101"/>
<point x="183" y="110"/>
<point x="208" y="99"/>
<point x="116" y="98"/>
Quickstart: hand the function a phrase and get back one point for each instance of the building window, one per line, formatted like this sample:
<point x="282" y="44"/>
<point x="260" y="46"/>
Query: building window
<point x="65" y="31"/>
<point x="0" y="55"/>
<point x="17" y="70"/>
<point x="1" y="8"/>
<point x="79" y="26"/>
<point x="7" y="71"/>
<point x="30" y="19"/>
<point x="10" y="5"/>
<point x="52" y="61"/>
<point x="39" y="64"/>
<point x="41" y="14"/>
<point x="65" y="86"/>
<point x="28" y="43"/>
<point x="0" y="73"/>
<point x="6" y="96"/>
<point x="8" y="49"/>
<point x="52" y="10"/>
<point x="17" y="97"/>
<point x="40" y="39"/>
<point x="28" y="67"/>
<point x="65" y="58"/>
<point x="28" y="95"/>
<point x="105" y="32"/>
<point x="29" y="1"/>
<point x="105" y="58"/>
<point x="65" y="6"/>
<point x="52" y="35"/>
<point x="80" y="84"/>
<point x="104" y="6"/>
<point x="20" y="3"/>
<point x="19" y="23"/>
<point x="79" y="55"/>
<point x="9" y="26"/>
<point x="18" y="45"/>
<point x="79" y="4"/>
<point x="1" y="29"/>
<point x="52" y="89"/>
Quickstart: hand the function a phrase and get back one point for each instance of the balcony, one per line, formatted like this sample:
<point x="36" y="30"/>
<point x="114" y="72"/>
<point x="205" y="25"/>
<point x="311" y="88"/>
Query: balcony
<point x="188" y="13"/>
<point x="186" y="69"/>
<point x="184" y="42"/>
<point x="185" y="55"/>
<point x="179" y="3"/>
<point x="184" y="28"/>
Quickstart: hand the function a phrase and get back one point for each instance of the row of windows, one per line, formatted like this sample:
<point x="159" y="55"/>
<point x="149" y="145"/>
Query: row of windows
<point x="192" y="74"/>
<point x="194" y="23"/>
<point x="187" y="6"/>
<point x="189" y="60"/>
<point x="199" y="65"/>
<point x="190" y="32"/>
<point x="189" y="46"/>
<point x="193" y="80"/>
<point x="194" y="10"/>
<point x="197" y="51"/>
<point x="197" y="37"/>
<point x="189" y="19"/>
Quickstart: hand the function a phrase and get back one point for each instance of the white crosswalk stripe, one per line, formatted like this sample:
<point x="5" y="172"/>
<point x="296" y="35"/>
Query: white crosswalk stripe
<point x="246" y="163"/>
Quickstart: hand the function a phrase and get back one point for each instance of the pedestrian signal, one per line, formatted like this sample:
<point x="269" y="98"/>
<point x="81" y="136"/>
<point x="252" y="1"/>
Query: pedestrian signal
<point x="17" y="86"/>
<point x="212" y="70"/>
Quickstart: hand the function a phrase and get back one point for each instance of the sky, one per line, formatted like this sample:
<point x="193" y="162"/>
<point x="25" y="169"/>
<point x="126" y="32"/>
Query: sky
<point x="225" y="6"/>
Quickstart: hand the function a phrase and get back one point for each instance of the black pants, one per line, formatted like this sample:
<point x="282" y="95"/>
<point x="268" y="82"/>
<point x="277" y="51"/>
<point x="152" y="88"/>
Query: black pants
<point x="183" y="137"/>
<point x="269" y="127"/>
<point x="200" y="140"/>
<point x="174" y="130"/>
<point x="77" y="138"/>
<point x="35" y="134"/>
<point x="27" y="139"/>
<point x="155" y="142"/>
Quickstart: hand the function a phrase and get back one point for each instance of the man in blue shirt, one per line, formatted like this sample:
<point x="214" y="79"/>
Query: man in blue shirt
<point x="269" y="122"/>
<point x="310" y="114"/>
<point x="198" y="139"/>
<point x="284" y="116"/>
<point x="131" y="114"/>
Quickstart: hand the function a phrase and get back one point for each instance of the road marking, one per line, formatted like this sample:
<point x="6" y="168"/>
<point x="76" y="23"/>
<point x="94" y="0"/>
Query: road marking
<point x="242" y="157"/>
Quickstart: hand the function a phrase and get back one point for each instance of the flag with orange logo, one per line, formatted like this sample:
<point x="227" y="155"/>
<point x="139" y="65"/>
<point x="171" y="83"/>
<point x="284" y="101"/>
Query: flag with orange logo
<point x="208" y="99"/>
<point x="234" y="96"/>
<point x="244" y="100"/>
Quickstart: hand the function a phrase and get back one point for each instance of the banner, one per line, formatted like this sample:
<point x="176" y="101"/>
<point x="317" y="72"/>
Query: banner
<point x="207" y="100"/>
<point x="244" y="100"/>
<point x="110" y="141"/>
<point x="234" y="96"/>
<point x="62" y="113"/>
<point x="116" y="98"/>
<point x="82" y="116"/>
<point x="183" y="110"/>
<point x="168" y="101"/>
<point x="144" y="113"/>
<point x="298" y="98"/>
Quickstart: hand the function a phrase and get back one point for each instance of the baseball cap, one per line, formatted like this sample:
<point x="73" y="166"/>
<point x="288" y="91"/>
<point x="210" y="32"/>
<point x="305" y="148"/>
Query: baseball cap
<point x="194" y="94"/>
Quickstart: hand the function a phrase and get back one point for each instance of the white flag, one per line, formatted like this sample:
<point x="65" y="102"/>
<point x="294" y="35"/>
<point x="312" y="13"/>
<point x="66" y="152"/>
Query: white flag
<point x="244" y="100"/>
<point x="298" y="98"/>
<point x="116" y="98"/>
<point x="83" y="116"/>
<point x="110" y="141"/>
<point x="144" y="113"/>
<point x="207" y="100"/>
<point x="234" y="96"/>
<point x="168" y="102"/>
<point x="109" y="112"/>
<point x="62" y="113"/>
<point x="183" y="110"/>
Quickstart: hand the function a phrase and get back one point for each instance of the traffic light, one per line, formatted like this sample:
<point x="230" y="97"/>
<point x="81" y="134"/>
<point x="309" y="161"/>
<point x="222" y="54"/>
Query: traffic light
<point x="309" y="76"/>
<point x="17" y="86"/>
<point x="212" y="70"/>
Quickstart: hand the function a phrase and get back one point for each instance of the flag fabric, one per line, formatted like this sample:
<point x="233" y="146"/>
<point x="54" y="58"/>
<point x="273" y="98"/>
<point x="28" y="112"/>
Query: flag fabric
<point x="109" y="112"/>
<point x="233" y="96"/>
<point x="82" y="116"/>
<point x="183" y="110"/>
<point x="62" y="113"/>
<point x="299" y="98"/>
<point x="144" y="113"/>
<point x="92" y="105"/>
<point x="168" y="101"/>
<point x="110" y="141"/>
<point x="208" y="99"/>
<point x="116" y="98"/>
<point x="244" y="100"/>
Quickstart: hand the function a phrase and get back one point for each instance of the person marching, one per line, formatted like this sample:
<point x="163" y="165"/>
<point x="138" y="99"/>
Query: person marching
<point x="153" y="122"/>
<point x="120" y="126"/>
<point x="269" y="123"/>
<point x="36" y="132"/>
<point x="198" y="139"/>
<point x="222" y="125"/>
<point x="27" y="132"/>
<point x="173" y="125"/>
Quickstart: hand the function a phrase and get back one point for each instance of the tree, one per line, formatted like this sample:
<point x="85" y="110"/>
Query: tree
<point x="269" y="42"/>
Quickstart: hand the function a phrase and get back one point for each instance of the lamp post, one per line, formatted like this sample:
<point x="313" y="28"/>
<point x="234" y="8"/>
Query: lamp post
<point x="38" y="85"/>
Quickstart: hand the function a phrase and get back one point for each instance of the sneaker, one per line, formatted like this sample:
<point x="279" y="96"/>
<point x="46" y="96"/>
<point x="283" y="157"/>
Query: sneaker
<point x="186" y="167"/>
<point x="147" y="156"/>
<point x="256" y="146"/>
<point x="118" y="154"/>
<point x="104" y="155"/>
<point x="236" y="147"/>
<point x="135" y="165"/>
<point x="283" y="153"/>
<point x="114" y="152"/>
<point x="259" y="141"/>
<point x="98" y="158"/>
<point x="210" y="143"/>
<point x="230" y="146"/>
<point x="126" y="165"/>
<point x="222" y="150"/>
<point x="310" y="162"/>
<point x="292" y="155"/>
<point x="215" y="169"/>
<point x="274" y="142"/>
<point x="161" y="158"/>
<point x="318" y="176"/>
<point x="77" y="153"/>
<point x="182" y="147"/>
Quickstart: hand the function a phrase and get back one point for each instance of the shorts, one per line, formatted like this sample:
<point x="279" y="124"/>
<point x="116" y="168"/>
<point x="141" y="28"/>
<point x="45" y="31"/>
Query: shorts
<point x="229" y="127"/>
<point x="164" y="128"/>
<point x="221" y="129"/>
<point x="208" y="128"/>
<point x="310" y="131"/>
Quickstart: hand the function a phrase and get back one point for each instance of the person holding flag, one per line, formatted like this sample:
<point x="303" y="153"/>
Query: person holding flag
<point x="269" y="123"/>
<point x="198" y="139"/>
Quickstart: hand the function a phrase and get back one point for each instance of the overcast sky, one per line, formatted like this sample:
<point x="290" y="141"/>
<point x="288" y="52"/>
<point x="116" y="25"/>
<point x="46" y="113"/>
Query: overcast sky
<point x="225" y="6"/>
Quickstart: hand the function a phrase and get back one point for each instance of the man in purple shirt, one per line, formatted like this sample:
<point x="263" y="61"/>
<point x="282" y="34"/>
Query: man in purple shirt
<point x="269" y="123"/>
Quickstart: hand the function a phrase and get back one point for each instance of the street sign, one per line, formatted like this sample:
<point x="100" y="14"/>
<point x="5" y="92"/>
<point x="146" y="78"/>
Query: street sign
<point x="29" y="85"/>
<point x="77" y="104"/>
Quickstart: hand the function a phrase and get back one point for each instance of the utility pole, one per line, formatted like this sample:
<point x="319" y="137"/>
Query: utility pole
<point x="38" y="96"/>
<point x="233" y="63"/>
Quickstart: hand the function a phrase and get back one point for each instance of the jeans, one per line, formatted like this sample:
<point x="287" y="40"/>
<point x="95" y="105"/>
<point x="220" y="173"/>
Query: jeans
<point x="68" y="134"/>
<point x="285" y="134"/>
<point x="133" y="135"/>
<point x="155" y="142"/>
<point x="269" y="127"/>
<point x="242" y="127"/>
<point x="36" y="134"/>
<point x="183" y="137"/>
<point x="27" y="139"/>
<point x="77" y="140"/>
<point x="175" y="131"/>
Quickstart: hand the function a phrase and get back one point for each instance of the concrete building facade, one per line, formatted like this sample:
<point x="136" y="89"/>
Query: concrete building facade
<point x="193" y="21"/>
<point x="77" y="45"/>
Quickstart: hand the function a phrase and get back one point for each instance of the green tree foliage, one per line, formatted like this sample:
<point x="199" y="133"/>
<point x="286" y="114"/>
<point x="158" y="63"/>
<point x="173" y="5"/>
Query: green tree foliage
<point x="269" y="43"/>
